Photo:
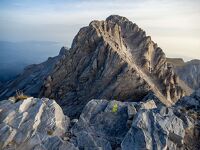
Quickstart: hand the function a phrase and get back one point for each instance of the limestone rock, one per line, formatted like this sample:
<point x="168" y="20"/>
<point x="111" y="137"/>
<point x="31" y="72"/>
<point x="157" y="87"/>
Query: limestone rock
<point x="151" y="130"/>
<point x="102" y="123"/>
<point x="130" y="125"/>
<point x="188" y="109"/>
<point x="148" y="105"/>
<point x="86" y="140"/>
<point x="105" y="123"/>
<point x="176" y="127"/>
<point x="32" y="124"/>
<point x="36" y="123"/>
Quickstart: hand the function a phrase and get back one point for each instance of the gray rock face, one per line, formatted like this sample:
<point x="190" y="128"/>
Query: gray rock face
<point x="137" y="125"/>
<point x="188" y="72"/>
<point x="152" y="130"/>
<point x="32" y="79"/>
<point x="103" y="125"/>
<point x="190" y="102"/>
<point x="130" y="126"/>
<point x="166" y="128"/>
<point x="188" y="109"/>
<point x="33" y="124"/>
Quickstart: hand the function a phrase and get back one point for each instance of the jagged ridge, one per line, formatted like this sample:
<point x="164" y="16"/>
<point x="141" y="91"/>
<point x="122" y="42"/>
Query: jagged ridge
<point x="112" y="59"/>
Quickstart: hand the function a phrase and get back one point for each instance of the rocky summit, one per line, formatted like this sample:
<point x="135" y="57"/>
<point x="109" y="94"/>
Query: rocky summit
<point x="110" y="59"/>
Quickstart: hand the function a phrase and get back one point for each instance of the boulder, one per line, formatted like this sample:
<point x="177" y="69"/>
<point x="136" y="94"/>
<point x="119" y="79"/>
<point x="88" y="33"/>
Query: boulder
<point x="103" y="121"/>
<point x="32" y="123"/>
<point x="154" y="130"/>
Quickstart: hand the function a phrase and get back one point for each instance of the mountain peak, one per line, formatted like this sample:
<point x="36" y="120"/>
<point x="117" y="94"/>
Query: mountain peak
<point x="111" y="59"/>
<point x="116" y="18"/>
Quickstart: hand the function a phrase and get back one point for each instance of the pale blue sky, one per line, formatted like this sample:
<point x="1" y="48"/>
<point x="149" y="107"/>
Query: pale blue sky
<point x="173" y="24"/>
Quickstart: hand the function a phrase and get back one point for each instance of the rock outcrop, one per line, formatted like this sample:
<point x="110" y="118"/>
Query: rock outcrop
<point x="188" y="72"/>
<point x="101" y="125"/>
<point x="155" y="129"/>
<point x="40" y="124"/>
<point x="130" y="126"/>
<point x="33" y="124"/>
<point x="188" y="109"/>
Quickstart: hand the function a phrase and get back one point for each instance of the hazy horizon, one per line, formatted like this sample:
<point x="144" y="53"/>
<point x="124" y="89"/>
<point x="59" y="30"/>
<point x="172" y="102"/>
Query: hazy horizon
<point x="173" y="24"/>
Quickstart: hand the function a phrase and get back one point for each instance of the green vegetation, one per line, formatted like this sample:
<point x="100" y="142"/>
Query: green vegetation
<point x="115" y="108"/>
<point x="20" y="96"/>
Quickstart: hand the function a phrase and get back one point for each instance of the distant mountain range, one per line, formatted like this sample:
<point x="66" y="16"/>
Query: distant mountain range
<point x="17" y="55"/>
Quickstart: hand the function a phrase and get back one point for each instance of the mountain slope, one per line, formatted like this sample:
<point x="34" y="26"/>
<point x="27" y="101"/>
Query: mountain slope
<point x="188" y="72"/>
<point x="111" y="59"/>
<point x="32" y="78"/>
<point x="35" y="123"/>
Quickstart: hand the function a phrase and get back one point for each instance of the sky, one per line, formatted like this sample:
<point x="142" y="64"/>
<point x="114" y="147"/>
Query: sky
<point x="173" y="24"/>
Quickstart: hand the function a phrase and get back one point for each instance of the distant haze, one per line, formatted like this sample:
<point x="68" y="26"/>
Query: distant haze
<point x="173" y="24"/>
<point x="14" y="56"/>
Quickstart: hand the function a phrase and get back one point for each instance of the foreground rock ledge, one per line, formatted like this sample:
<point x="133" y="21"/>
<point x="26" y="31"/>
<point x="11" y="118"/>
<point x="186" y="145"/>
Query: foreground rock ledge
<point x="33" y="124"/>
<point x="103" y="125"/>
